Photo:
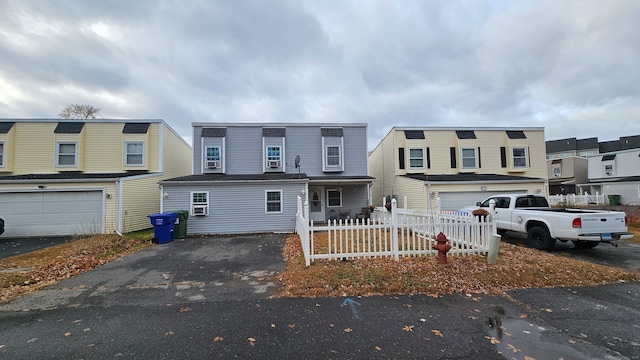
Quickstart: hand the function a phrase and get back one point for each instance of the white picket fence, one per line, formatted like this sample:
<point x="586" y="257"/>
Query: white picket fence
<point x="576" y="200"/>
<point x="398" y="233"/>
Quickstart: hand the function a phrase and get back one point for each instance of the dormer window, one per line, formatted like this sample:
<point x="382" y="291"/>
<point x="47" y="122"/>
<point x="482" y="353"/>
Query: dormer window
<point x="519" y="157"/>
<point x="134" y="153"/>
<point x="468" y="156"/>
<point x="416" y="158"/>
<point x="333" y="146"/>
<point x="66" y="154"/>
<point x="212" y="157"/>
<point x="274" y="159"/>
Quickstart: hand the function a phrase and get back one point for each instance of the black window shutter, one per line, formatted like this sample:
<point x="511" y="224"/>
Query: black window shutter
<point x="479" y="162"/>
<point x="453" y="157"/>
<point x="503" y="156"/>
<point x="428" y="158"/>
<point x="401" y="158"/>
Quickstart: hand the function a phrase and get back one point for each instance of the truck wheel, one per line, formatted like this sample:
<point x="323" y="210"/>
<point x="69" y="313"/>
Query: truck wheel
<point x="539" y="238"/>
<point x="585" y="244"/>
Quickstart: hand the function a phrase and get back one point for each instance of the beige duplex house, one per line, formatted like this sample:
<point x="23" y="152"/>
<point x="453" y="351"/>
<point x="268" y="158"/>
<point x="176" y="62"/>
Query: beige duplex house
<point x="457" y="166"/>
<point x="65" y="177"/>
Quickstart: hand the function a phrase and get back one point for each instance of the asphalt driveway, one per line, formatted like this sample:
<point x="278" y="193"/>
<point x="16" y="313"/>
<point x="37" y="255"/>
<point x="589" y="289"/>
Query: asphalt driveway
<point x="17" y="246"/>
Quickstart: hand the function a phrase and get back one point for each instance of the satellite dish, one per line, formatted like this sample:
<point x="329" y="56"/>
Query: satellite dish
<point x="297" y="162"/>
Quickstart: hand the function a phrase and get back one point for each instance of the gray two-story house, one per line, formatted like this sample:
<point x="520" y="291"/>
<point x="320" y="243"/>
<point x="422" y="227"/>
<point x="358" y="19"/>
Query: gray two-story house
<point x="247" y="176"/>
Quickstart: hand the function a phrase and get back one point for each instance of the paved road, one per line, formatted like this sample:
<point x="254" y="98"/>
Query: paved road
<point x="211" y="298"/>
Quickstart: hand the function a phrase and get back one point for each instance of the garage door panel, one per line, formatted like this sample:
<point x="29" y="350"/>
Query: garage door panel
<point x="459" y="200"/>
<point x="52" y="213"/>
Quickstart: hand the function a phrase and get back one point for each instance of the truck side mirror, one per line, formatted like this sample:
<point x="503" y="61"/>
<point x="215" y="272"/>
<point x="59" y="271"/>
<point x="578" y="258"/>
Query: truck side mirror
<point x="478" y="203"/>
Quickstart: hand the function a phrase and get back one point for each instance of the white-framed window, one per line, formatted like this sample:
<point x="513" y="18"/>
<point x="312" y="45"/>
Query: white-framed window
<point x="134" y="153"/>
<point x="199" y="203"/>
<point x="468" y="156"/>
<point x="333" y="156"/>
<point x="586" y="153"/>
<point x="334" y="197"/>
<point x="274" y="157"/>
<point x="609" y="170"/>
<point x="66" y="154"/>
<point x="2" y="154"/>
<point x="557" y="172"/>
<point x="416" y="158"/>
<point x="519" y="157"/>
<point x="273" y="201"/>
<point x="212" y="157"/>
<point x="213" y="153"/>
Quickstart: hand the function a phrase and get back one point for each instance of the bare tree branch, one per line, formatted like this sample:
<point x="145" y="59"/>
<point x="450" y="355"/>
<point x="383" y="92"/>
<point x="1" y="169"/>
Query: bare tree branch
<point x="79" y="111"/>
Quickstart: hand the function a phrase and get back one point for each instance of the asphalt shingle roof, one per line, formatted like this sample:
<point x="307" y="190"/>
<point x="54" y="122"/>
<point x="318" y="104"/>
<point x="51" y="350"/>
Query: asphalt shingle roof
<point x="135" y="128"/>
<point x="69" y="127"/>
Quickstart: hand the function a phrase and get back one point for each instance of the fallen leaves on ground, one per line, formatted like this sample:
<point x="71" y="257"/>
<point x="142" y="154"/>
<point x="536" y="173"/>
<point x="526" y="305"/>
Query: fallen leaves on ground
<point x="24" y="273"/>
<point x="518" y="267"/>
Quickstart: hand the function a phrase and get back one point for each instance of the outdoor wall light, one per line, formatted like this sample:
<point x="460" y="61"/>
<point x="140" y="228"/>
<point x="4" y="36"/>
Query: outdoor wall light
<point x="165" y="195"/>
<point x="108" y="196"/>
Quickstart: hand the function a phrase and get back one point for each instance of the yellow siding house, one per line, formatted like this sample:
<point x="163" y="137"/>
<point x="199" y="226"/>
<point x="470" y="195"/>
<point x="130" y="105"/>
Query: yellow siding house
<point x="67" y="177"/>
<point x="457" y="166"/>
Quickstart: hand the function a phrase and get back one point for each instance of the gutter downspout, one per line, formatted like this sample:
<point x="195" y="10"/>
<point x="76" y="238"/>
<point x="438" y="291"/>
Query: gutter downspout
<point x="119" y="206"/>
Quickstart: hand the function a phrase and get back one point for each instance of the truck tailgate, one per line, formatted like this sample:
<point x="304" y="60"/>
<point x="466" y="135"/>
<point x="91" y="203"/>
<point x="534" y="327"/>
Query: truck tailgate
<point x="608" y="222"/>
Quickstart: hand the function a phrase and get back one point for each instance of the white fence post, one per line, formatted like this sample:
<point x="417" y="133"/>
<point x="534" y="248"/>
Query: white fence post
<point x="394" y="229"/>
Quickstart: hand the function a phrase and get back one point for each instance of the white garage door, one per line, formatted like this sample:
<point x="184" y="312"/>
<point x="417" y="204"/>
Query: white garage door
<point x="52" y="213"/>
<point x="459" y="200"/>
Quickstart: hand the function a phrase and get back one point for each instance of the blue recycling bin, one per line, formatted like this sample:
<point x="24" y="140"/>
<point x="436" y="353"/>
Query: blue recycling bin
<point x="163" y="226"/>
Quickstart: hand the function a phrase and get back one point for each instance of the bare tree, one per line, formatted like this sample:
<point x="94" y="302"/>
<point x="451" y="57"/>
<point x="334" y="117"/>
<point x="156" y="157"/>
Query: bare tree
<point x="79" y="111"/>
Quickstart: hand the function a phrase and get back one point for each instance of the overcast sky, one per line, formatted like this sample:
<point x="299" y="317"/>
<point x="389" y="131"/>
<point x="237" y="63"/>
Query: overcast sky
<point x="572" y="67"/>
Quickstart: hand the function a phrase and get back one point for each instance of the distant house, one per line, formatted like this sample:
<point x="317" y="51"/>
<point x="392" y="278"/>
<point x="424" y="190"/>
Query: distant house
<point x="567" y="163"/>
<point x="65" y="177"/>
<point x="460" y="166"/>
<point x="247" y="176"/>
<point x="586" y="165"/>
<point x="615" y="173"/>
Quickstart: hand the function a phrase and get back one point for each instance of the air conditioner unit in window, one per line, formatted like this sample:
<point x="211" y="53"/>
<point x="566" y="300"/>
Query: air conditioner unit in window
<point x="213" y="164"/>
<point x="273" y="164"/>
<point x="556" y="174"/>
<point x="199" y="210"/>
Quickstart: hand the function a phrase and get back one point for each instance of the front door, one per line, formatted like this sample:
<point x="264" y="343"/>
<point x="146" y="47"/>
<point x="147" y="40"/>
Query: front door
<point x="316" y="203"/>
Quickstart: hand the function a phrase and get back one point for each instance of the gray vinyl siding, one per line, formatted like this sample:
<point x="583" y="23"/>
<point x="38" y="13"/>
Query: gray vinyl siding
<point x="197" y="150"/>
<point x="236" y="207"/>
<point x="243" y="152"/>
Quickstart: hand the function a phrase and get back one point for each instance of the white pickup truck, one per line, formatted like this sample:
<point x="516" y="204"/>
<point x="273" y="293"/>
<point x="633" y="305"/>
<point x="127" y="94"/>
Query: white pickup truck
<point x="531" y="214"/>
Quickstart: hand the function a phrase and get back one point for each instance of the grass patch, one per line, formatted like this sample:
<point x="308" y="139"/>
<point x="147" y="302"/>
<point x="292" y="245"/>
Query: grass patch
<point x="24" y="273"/>
<point x="518" y="267"/>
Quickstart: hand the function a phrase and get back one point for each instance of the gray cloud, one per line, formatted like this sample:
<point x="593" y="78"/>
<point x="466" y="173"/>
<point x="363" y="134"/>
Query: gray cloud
<point x="569" y="66"/>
